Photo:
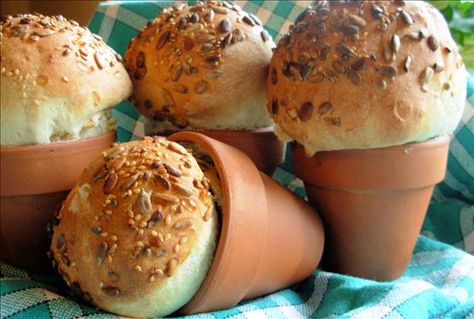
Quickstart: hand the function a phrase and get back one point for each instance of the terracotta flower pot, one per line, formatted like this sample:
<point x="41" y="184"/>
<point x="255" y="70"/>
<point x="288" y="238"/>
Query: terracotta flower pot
<point x="373" y="203"/>
<point x="35" y="179"/>
<point x="262" y="145"/>
<point x="270" y="238"/>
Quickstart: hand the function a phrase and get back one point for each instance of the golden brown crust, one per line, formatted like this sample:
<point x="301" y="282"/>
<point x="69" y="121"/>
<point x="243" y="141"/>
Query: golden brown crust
<point x="203" y="66"/>
<point x="130" y="222"/>
<point x="366" y="74"/>
<point x="50" y="63"/>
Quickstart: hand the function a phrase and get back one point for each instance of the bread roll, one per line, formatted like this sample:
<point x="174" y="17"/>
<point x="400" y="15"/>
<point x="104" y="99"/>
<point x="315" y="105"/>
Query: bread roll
<point x="202" y="66"/>
<point x="59" y="81"/>
<point x="137" y="234"/>
<point x="366" y="74"/>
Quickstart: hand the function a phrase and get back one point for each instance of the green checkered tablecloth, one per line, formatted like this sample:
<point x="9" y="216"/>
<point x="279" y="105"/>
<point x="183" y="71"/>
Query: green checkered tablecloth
<point x="439" y="282"/>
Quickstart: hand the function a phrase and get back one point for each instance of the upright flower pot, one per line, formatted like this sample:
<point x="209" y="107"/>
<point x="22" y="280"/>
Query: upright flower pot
<point x="269" y="238"/>
<point x="35" y="179"/>
<point x="372" y="202"/>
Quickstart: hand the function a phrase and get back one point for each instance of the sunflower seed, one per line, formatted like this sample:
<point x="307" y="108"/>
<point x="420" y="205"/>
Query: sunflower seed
<point x="206" y="47"/>
<point x="227" y="40"/>
<point x="273" y="76"/>
<point x="339" y="67"/>
<point x="395" y="43"/>
<point x="128" y="182"/>
<point x="359" y="64"/>
<point x="155" y="219"/>
<point x="182" y="23"/>
<point x="334" y="121"/>
<point x="162" y="40"/>
<point x="433" y="43"/>
<point x="221" y="10"/>
<point x="177" y="72"/>
<point x="99" y="60"/>
<point x="350" y="29"/>
<point x="171" y="170"/>
<point x="358" y="21"/>
<point x="183" y="224"/>
<point x="188" y="43"/>
<point x="102" y="253"/>
<point x="200" y="87"/>
<point x="324" y="108"/>
<point x="388" y="71"/>
<point x="316" y="78"/>
<point x="305" y="70"/>
<point x="425" y="76"/>
<point x="301" y="27"/>
<point x="354" y="76"/>
<point x="407" y="63"/>
<point x="115" y="152"/>
<point x="139" y="74"/>
<point x="101" y="172"/>
<point x="183" y="190"/>
<point x="249" y="21"/>
<point x="225" y="25"/>
<point x="377" y="11"/>
<point x="438" y="67"/>
<point x="345" y="51"/>
<point x="61" y="243"/>
<point x="406" y="17"/>
<point x="111" y="291"/>
<point x="265" y="36"/>
<point x="110" y="183"/>
<point x="144" y="202"/>
<point x="181" y="89"/>
<point x="165" y="198"/>
<point x="274" y="106"/>
<point x="382" y="85"/>
<point x="194" y="18"/>
<point x="175" y="147"/>
<point x="117" y="163"/>
<point x="305" y="111"/>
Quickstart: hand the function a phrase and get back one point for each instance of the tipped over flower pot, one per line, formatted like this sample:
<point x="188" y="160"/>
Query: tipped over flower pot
<point x="270" y="238"/>
<point x="153" y="226"/>
<point x="262" y="146"/>
<point x="373" y="202"/>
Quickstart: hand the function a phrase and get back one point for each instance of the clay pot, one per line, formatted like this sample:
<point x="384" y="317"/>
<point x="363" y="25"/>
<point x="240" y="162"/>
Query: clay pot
<point x="262" y="145"/>
<point x="35" y="179"/>
<point x="372" y="202"/>
<point x="269" y="238"/>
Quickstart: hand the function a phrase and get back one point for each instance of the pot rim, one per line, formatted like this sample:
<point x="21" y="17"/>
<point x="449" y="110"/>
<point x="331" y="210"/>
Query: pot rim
<point x="41" y="157"/>
<point x="395" y="167"/>
<point x="220" y="289"/>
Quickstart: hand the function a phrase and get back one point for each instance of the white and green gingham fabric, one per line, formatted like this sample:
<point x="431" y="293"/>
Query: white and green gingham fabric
<point x="439" y="282"/>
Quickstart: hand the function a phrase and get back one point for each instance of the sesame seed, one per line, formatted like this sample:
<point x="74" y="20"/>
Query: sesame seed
<point x="154" y="233"/>
<point x="138" y="268"/>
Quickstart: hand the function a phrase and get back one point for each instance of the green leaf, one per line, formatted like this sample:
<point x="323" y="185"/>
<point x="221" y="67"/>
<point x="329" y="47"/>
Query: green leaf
<point x="459" y="23"/>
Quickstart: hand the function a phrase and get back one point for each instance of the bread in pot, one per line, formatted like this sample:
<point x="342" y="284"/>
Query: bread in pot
<point x="202" y="66"/>
<point x="366" y="74"/>
<point x="137" y="234"/>
<point x="59" y="81"/>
